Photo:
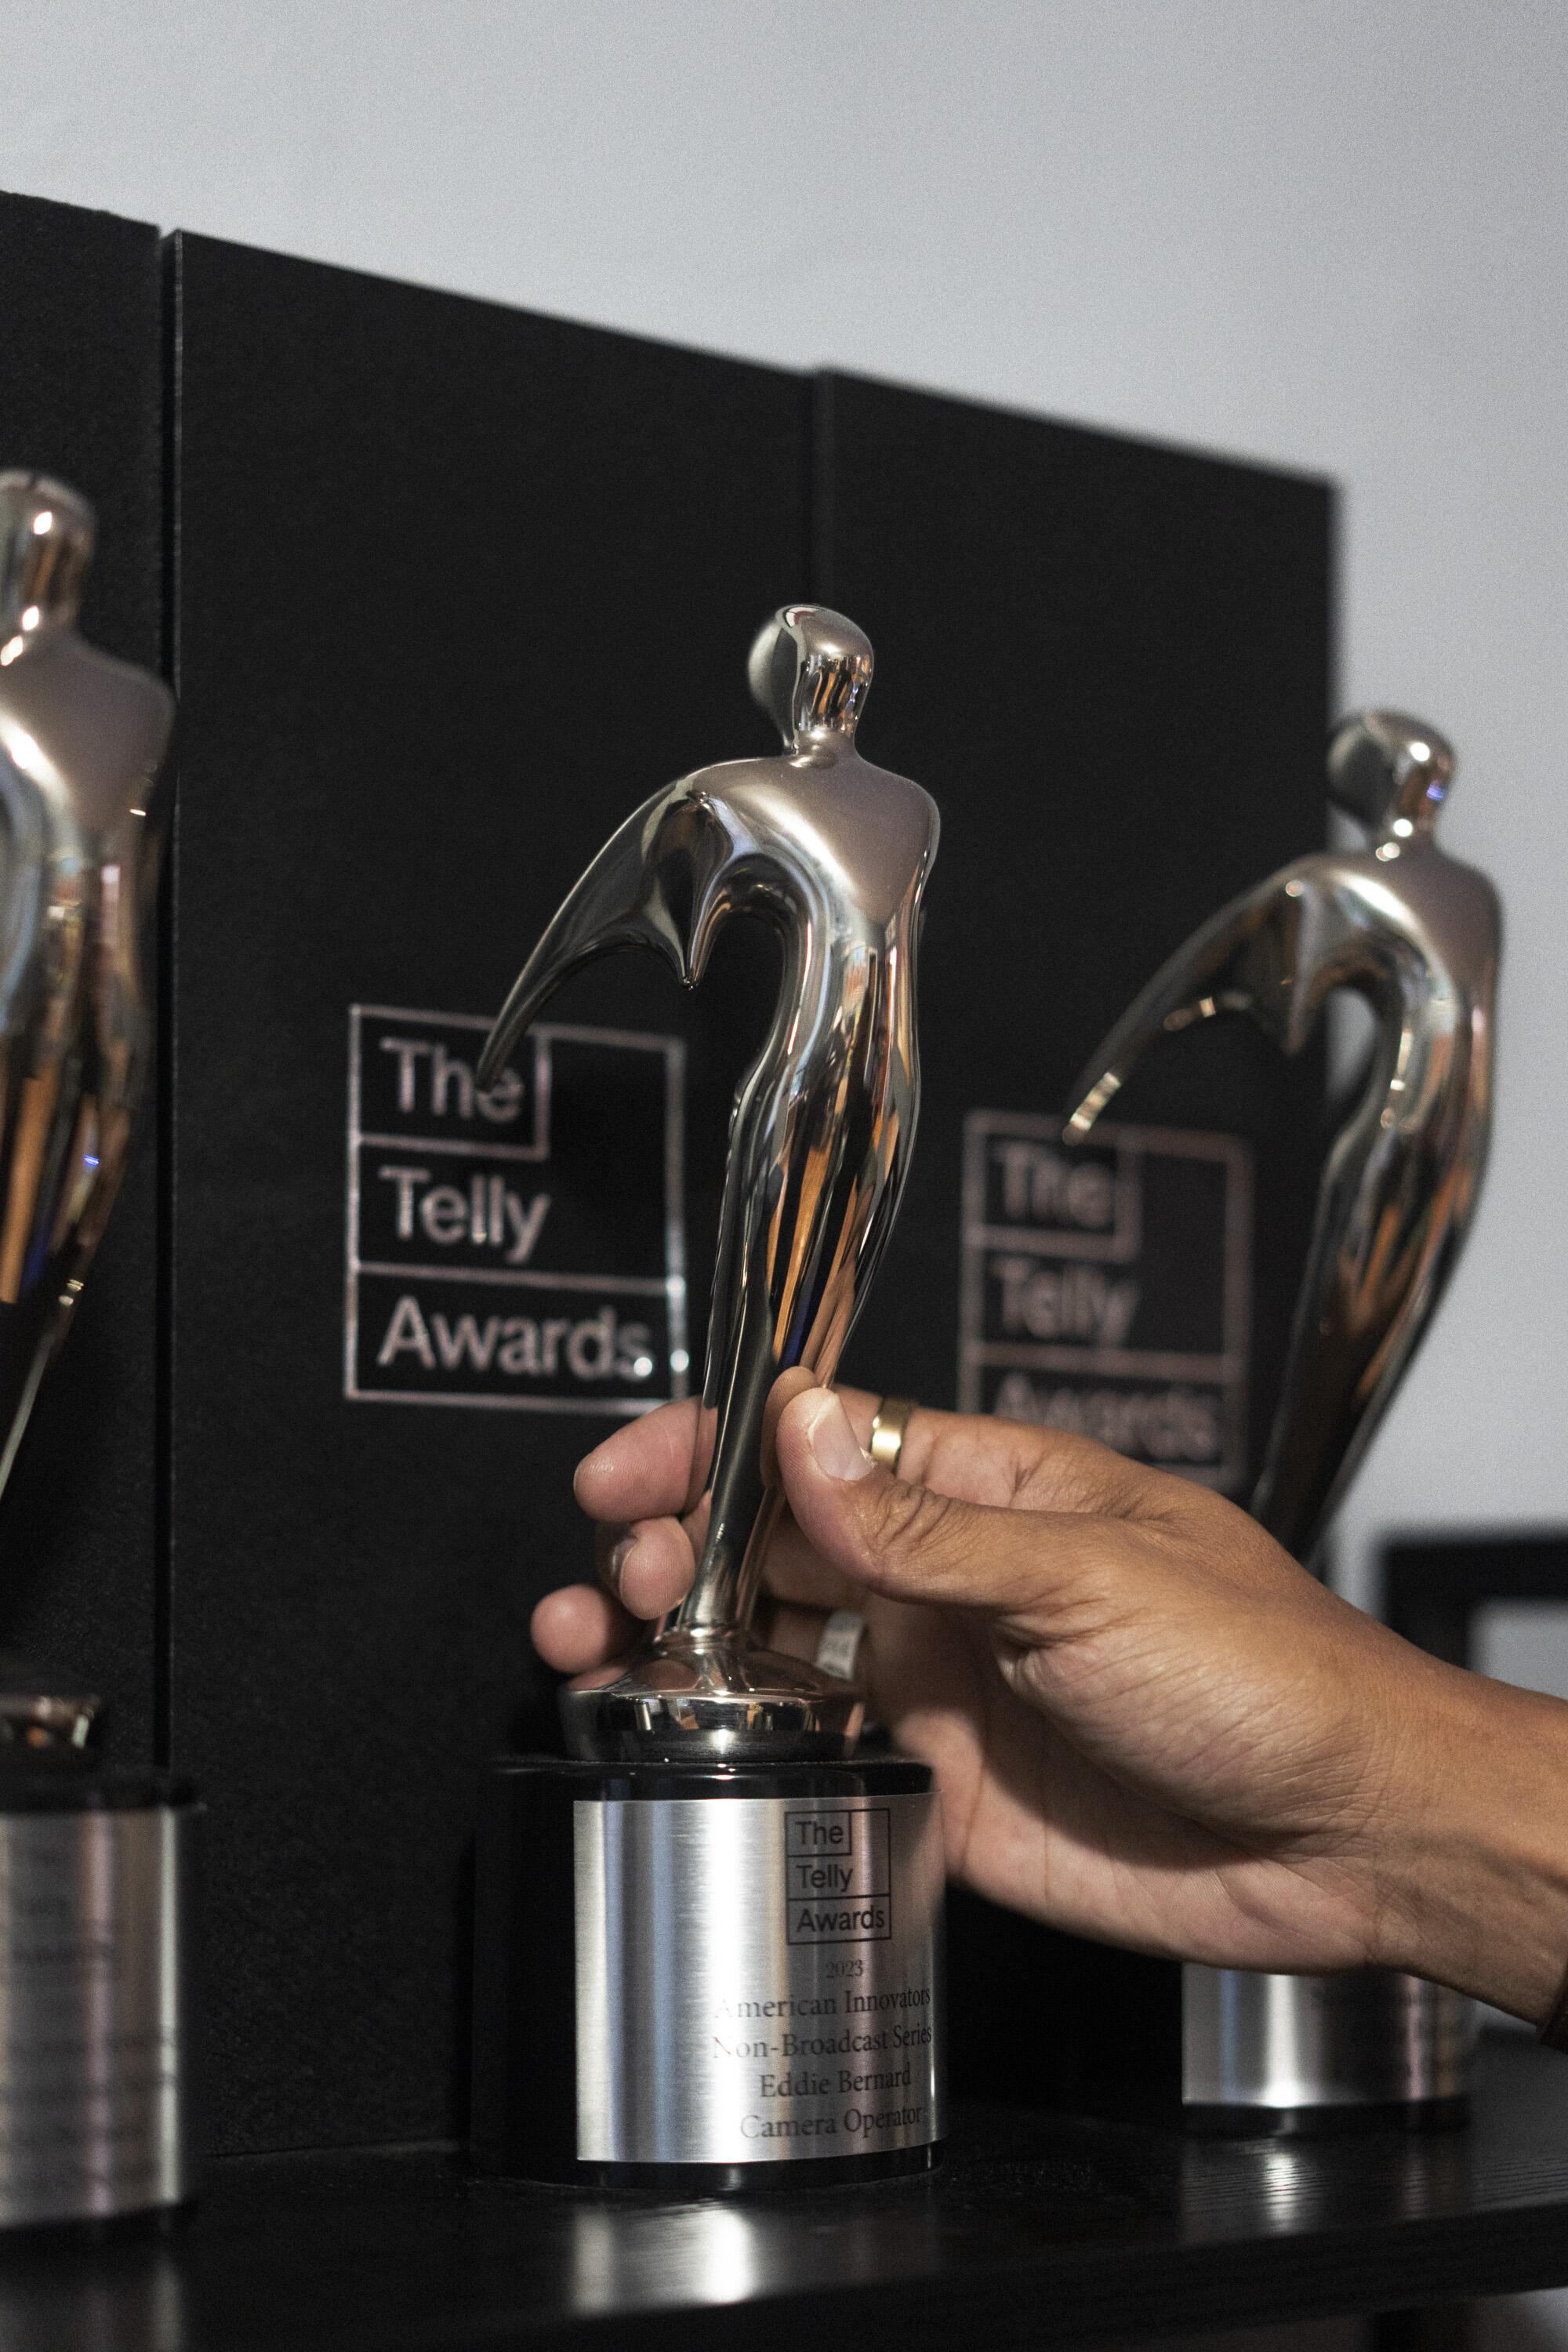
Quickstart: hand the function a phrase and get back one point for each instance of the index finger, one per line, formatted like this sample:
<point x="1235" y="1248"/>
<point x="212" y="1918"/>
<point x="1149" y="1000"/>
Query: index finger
<point x="643" y="1470"/>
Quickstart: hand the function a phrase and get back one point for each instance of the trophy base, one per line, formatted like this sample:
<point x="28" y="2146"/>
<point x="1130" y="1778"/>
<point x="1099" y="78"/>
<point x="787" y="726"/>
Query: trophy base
<point x="699" y="1979"/>
<point x="95" y="1978"/>
<point x="1287" y="2056"/>
<point x="711" y="1697"/>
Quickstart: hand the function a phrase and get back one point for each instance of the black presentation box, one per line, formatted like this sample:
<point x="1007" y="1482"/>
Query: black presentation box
<point x="456" y="587"/>
<point x="451" y="588"/>
<point x="1110" y="662"/>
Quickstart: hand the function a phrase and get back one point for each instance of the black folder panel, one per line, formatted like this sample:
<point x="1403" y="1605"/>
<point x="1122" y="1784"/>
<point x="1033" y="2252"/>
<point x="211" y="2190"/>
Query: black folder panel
<point x="1110" y="662"/>
<point x="80" y="397"/>
<point x="457" y="588"/>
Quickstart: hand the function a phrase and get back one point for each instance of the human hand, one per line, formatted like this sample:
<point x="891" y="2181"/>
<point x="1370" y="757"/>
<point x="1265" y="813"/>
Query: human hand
<point x="1148" y="1724"/>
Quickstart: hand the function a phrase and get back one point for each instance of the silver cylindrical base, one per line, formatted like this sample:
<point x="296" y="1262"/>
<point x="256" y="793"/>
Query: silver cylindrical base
<point x="757" y="1981"/>
<point x="1322" y="2045"/>
<point x="95" y="2008"/>
<point x="702" y="1980"/>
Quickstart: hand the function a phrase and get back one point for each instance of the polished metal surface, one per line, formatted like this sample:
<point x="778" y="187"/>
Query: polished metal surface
<point x="1366" y="2038"/>
<point x="95" y="2013"/>
<point x="94" y="1973"/>
<point x="81" y="740"/>
<point x="835" y="854"/>
<point x="757" y="1979"/>
<point x="38" y="1721"/>
<point x="1418" y="935"/>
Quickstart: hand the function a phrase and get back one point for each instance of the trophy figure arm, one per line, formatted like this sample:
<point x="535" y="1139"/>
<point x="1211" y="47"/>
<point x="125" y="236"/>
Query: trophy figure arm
<point x="651" y="886"/>
<point x="1245" y="958"/>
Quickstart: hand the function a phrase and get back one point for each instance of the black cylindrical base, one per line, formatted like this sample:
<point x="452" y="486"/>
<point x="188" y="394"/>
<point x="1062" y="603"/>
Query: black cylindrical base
<point x="707" y="1979"/>
<point x="1326" y="2122"/>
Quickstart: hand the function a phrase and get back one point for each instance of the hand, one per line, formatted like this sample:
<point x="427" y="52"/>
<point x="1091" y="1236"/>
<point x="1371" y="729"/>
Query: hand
<point x="1148" y="1724"/>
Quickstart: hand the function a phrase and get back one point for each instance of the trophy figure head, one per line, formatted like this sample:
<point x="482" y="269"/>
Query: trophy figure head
<point x="810" y="670"/>
<point x="47" y="537"/>
<point x="1391" y="772"/>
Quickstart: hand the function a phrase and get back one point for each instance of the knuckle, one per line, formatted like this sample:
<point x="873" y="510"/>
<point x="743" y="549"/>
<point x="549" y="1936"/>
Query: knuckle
<point x="911" y="1520"/>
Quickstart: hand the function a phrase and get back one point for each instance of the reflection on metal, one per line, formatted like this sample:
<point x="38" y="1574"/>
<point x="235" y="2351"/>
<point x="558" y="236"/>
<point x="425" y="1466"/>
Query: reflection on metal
<point x="95" y="1966"/>
<point x="97" y="1979"/>
<point x="1368" y="2037"/>
<point x="1418" y="935"/>
<point x="834" y="854"/>
<point x="81" y="740"/>
<point x="678" y="1923"/>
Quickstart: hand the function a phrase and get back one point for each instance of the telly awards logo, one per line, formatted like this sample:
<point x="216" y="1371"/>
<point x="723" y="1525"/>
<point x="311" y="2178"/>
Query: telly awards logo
<point x="521" y="1246"/>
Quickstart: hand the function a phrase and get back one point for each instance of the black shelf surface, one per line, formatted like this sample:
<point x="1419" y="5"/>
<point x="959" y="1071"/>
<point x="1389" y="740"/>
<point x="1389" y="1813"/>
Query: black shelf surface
<point x="1037" y="2230"/>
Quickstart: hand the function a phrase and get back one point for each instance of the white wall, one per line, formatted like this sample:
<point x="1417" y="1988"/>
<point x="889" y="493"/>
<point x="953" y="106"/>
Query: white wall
<point x="1313" y="231"/>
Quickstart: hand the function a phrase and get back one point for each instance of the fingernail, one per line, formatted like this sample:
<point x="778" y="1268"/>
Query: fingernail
<point x="620" y="1552"/>
<point x="839" y="1452"/>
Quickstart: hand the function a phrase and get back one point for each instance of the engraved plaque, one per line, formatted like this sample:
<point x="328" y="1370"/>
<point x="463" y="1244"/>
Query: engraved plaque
<point x="757" y="1979"/>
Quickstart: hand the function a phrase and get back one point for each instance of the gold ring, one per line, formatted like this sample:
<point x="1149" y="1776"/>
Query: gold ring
<point x="888" y="1426"/>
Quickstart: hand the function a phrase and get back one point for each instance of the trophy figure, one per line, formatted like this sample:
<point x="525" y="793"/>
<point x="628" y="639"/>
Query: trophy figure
<point x="724" y="1856"/>
<point x="92" y="1863"/>
<point x="1418" y="935"/>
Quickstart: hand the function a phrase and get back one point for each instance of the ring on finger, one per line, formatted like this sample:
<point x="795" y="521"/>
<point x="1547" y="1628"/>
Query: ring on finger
<point x="888" y="1422"/>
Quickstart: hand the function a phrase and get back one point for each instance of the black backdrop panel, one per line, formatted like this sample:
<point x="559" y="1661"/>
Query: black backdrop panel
<point x="1110" y="662"/>
<point x="456" y="587"/>
<point x="80" y="397"/>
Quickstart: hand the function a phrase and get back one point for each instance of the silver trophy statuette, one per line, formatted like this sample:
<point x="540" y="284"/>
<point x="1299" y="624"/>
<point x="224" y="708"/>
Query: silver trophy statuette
<point x="82" y="740"/>
<point x="1418" y="935"/>
<point x="714" y="1848"/>
<point x="94" y="2070"/>
<point x="835" y="854"/>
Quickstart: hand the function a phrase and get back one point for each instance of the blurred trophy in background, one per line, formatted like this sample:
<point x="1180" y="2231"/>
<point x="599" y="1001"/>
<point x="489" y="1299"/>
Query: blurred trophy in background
<point x="1417" y="935"/>
<point x="93" y="1864"/>
<point x="717" y="1853"/>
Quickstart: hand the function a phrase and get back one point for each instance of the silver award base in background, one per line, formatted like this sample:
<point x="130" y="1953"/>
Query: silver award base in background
<point x="758" y="1979"/>
<point x="1326" y="2044"/>
<point x="95" y="2001"/>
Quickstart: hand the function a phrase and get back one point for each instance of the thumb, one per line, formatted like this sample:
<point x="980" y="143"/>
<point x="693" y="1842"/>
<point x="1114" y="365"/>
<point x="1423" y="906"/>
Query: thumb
<point x="911" y="1543"/>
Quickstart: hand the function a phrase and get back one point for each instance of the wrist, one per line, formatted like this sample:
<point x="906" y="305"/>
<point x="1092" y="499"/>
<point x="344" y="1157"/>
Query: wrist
<point x="1475" y="1869"/>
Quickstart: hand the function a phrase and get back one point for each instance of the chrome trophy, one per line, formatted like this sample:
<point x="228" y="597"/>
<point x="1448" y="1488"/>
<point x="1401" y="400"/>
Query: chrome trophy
<point x="835" y="854"/>
<point x="1418" y="935"/>
<point x="95" y="2074"/>
<point x="685" y="1910"/>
